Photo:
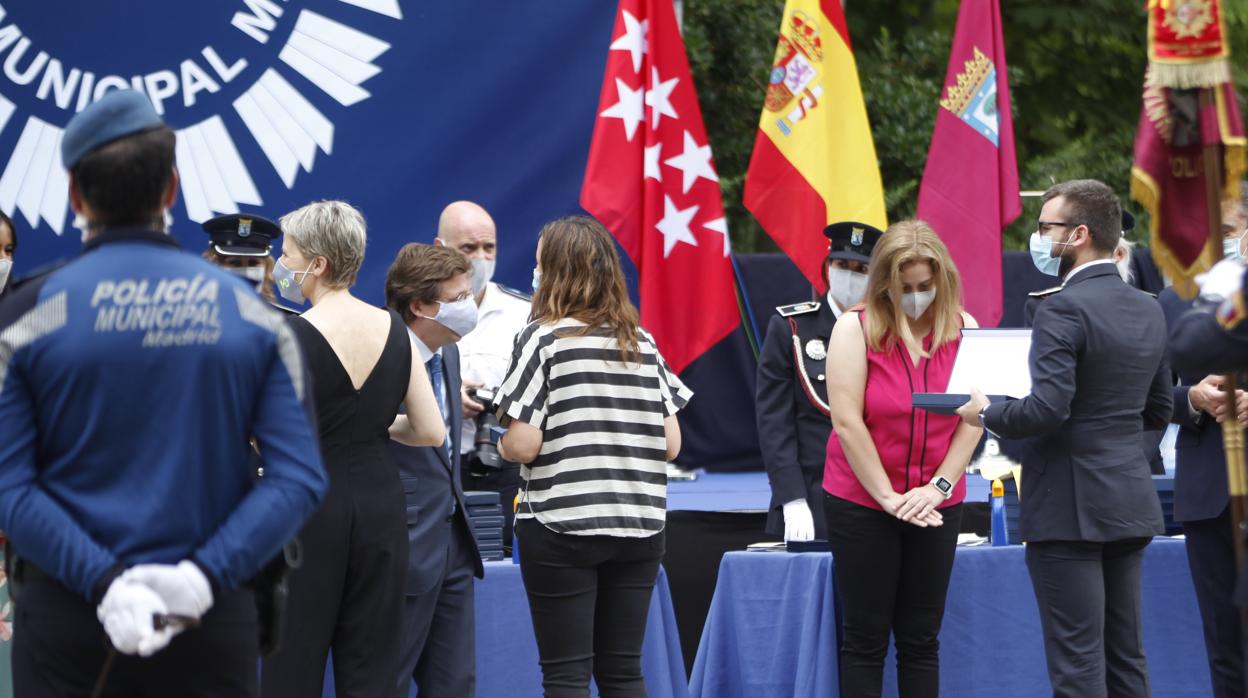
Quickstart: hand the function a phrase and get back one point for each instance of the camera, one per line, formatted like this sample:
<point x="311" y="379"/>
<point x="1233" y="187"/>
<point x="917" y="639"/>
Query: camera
<point x="485" y="440"/>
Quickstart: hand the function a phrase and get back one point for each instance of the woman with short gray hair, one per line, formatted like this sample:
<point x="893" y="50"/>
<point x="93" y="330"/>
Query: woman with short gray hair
<point x="348" y="594"/>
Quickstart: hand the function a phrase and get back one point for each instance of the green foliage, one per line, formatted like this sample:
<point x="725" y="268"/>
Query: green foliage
<point x="1076" y="72"/>
<point x="730" y="45"/>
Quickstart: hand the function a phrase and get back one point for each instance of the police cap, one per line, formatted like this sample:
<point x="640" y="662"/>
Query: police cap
<point x="851" y="241"/>
<point x="241" y="234"/>
<point x="118" y="114"/>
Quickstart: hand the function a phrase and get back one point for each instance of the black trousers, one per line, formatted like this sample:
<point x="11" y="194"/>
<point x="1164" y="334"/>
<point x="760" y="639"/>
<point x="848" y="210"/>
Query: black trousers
<point x="589" y="597"/>
<point x="439" y="648"/>
<point x="505" y="481"/>
<point x="891" y="576"/>
<point x="348" y="594"/>
<point x="1089" y="599"/>
<point x="59" y="650"/>
<point x="1211" y="557"/>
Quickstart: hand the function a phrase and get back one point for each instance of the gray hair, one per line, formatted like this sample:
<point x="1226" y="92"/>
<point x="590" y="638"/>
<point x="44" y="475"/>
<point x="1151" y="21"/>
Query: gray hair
<point x="1124" y="264"/>
<point x="334" y="230"/>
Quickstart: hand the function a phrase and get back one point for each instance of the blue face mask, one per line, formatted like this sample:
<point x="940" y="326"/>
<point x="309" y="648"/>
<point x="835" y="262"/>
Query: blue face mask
<point x="1042" y="255"/>
<point x="537" y="279"/>
<point x="1230" y="248"/>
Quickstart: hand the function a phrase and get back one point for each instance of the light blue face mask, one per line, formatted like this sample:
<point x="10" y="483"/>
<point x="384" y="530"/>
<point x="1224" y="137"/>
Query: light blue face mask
<point x="537" y="279"/>
<point x="1042" y="254"/>
<point x="288" y="286"/>
<point x="1230" y="248"/>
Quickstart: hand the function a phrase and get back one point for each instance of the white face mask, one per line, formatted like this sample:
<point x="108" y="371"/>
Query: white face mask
<point x="915" y="304"/>
<point x="81" y="224"/>
<point x="846" y="287"/>
<point x="6" y="267"/>
<point x="459" y="317"/>
<point x="254" y="274"/>
<point x="482" y="272"/>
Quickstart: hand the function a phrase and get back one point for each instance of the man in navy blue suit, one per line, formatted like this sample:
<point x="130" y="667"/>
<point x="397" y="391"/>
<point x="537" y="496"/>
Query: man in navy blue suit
<point x="1098" y="379"/>
<point x="1201" y="502"/>
<point x="431" y="288"/>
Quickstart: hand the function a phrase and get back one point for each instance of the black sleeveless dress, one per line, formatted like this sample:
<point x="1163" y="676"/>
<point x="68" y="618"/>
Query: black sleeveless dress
<point x="348" y="594"/>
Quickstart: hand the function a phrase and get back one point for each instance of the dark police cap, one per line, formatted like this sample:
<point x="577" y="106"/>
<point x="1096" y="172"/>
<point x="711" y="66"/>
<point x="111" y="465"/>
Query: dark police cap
<point x="118" y="114"/>
<point x="241" y="234"/>
<point x="851" y="241"/>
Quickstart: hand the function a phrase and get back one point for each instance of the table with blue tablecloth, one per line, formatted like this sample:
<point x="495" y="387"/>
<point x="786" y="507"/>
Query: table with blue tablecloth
<point x="507" y="651"/>
<point x="771" y="630"/>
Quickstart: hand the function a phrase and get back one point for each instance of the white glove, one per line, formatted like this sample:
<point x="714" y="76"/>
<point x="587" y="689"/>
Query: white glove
<point x="127" y="612"/>
<point x="799" y="523"/>
<point x="1222" y="281"/>
<point x="182" y="587"/>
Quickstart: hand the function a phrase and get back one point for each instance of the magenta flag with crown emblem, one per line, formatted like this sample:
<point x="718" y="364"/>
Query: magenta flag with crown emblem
<point x="969" y="192"/>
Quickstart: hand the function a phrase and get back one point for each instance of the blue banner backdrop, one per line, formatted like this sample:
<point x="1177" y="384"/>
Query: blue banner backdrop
<point x="397" y="107"/>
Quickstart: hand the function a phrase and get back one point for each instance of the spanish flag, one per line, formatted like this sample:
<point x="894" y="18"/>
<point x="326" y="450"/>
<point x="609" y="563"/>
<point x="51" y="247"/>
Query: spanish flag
<point x="814" y="160"/>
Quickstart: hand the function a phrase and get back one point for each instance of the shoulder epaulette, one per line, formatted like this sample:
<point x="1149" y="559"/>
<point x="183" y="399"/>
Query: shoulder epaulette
<point x="797" y="308"/>
<point x="526" y="297"/>
<point x="1045" y="293"/>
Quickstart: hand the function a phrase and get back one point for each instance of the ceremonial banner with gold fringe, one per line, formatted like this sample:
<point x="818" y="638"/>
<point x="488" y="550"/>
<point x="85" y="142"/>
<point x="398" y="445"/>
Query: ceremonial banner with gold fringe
<point x="1189" y="111"/>
<point x="1187" y="44"/>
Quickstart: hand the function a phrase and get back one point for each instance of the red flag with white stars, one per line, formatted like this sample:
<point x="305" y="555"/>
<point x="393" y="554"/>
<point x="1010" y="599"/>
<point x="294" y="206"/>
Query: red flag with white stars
<point x="651" y="181"/>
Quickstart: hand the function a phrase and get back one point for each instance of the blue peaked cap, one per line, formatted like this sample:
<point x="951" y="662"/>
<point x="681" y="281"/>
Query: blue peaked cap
<point x="117" y="114"/>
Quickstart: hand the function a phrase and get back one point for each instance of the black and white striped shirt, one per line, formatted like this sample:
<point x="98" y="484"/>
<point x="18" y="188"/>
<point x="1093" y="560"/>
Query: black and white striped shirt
<point x="602" y="468"/>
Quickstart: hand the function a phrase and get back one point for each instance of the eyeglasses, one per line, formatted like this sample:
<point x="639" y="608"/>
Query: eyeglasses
<point x="1043" y="227"/>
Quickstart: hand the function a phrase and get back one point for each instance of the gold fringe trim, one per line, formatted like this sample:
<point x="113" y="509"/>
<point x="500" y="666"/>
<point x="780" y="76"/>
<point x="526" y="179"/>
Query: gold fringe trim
<point x="1191" y="75"/>
<point x="1183" y="277"/>
<point x="1235" y="160"/>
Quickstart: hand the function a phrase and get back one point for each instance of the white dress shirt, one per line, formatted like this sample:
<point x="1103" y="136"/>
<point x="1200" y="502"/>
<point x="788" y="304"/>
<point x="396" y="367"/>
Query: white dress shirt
<point x="485" y="352"/>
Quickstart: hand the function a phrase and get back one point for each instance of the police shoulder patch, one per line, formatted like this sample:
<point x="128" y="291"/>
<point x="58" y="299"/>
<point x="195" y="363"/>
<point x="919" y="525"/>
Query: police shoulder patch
<point x="797" y="308"/>
<point x="526" y="297"/>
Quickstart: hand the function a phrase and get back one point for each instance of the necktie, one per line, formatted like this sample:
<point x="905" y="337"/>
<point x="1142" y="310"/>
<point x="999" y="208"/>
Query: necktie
<point x="435" y="378"/>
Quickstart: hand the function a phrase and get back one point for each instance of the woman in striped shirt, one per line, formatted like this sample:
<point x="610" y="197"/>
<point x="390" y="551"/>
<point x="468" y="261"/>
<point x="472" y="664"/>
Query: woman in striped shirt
<point x="592" y="409"/>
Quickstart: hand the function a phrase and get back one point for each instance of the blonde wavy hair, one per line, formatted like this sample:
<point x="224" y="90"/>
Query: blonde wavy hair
<point x="903" y="244"/>
<point x="582" y="279"/>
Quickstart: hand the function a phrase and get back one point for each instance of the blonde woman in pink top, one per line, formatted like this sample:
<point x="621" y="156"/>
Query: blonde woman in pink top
<point x="893" y="476"/>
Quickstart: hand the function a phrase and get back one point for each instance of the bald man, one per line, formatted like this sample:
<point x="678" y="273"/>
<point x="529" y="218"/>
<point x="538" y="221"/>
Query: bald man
<point x="502" y="312"/>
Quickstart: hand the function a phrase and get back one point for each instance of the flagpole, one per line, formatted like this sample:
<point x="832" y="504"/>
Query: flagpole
<point x="1232" y="433"/>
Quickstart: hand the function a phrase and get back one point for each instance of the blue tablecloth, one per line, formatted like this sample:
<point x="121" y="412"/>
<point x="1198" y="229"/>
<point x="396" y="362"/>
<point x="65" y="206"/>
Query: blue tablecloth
<point x="750" y="491"/>
<point x="771" y="630"/>
<point x="507" y="652"/>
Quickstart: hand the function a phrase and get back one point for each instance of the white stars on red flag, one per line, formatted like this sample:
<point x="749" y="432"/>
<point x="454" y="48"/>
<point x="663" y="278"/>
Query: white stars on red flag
<point x="651" y="181"/>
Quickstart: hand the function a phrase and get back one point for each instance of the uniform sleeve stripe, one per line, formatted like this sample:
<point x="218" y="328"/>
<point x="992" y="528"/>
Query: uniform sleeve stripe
<point x="45" y="318"/>
<point x="253" y="310"/>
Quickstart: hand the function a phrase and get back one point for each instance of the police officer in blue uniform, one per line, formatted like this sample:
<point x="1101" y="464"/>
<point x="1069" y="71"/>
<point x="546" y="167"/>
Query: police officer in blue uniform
<point x="130" y="380"/>
<point x="241" y="244"/>
<point x="791" y="400"/>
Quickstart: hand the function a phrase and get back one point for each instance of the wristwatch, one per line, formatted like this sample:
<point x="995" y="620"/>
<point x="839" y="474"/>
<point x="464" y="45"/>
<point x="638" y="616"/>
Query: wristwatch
<point x="942" y="486"/>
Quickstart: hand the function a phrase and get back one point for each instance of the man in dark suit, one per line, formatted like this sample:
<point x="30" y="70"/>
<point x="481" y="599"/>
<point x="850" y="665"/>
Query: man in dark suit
<point x="1088" y="505"/>
<point x="430" y="287"/>
<point x="1202" y="505"/>
<point x="1200" y="485"/>
<point x="791" y="400"/>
